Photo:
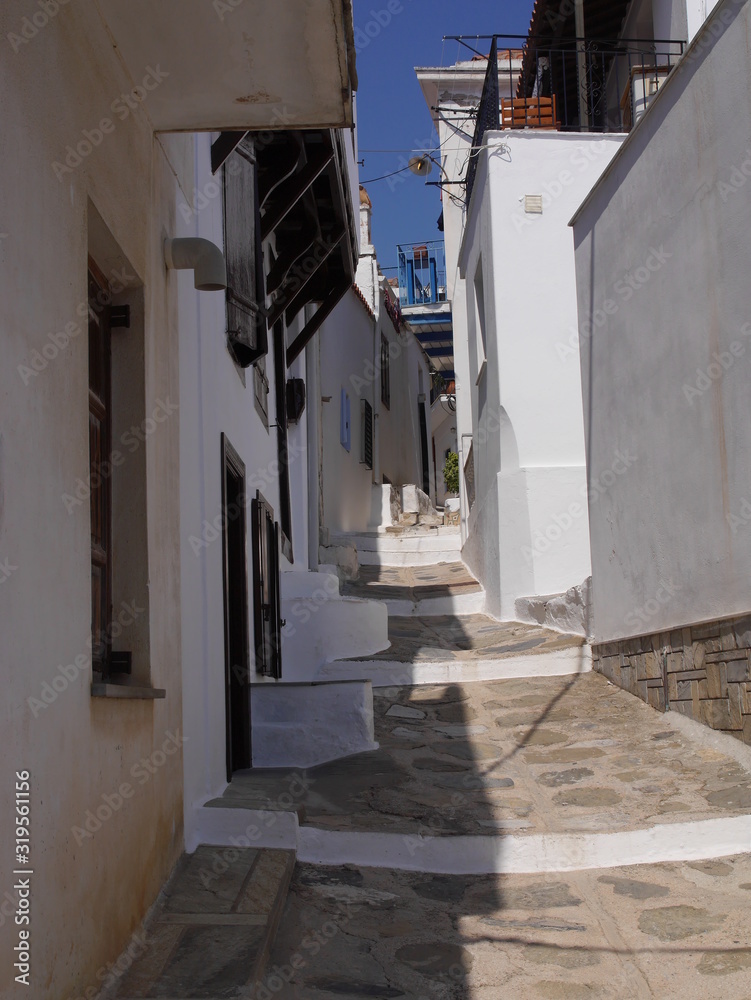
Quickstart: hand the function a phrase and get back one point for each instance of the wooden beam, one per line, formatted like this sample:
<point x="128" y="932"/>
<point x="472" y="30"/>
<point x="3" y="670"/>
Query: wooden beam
<point x="314" y="323"/>
<point x="291" y="192"/>
<point x="222" y="147"/>
<point x="303" y="296"/>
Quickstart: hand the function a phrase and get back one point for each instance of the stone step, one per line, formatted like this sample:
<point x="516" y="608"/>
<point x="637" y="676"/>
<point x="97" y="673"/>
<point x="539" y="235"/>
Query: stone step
<point x="534" y="775"/>
<point x="214" y="925"/>
<point x="451" y="648"/>
<point x="442" y="589"/>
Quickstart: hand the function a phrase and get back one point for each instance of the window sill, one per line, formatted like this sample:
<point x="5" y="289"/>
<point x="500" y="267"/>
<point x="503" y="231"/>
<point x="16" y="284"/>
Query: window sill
<point x="106" y="689"/>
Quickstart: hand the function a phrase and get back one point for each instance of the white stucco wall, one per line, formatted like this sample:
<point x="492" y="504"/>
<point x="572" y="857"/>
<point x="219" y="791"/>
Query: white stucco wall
<point x="78" y="749"/>
<point x="346" y="363"/>
<point x="662" y="259"/>
<point x="527" y="420"/>
<point x="217" y="400"/>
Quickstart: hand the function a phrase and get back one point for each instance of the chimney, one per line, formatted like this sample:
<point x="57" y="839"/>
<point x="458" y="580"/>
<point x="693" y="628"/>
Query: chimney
<point x="366" y="209"/>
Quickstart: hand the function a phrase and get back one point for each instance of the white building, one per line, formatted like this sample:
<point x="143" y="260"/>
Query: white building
<point x="662" y="257"/>
<point x="510" y="278"/>
<point x="374" y="383"/>
<point x="116" y="389"/>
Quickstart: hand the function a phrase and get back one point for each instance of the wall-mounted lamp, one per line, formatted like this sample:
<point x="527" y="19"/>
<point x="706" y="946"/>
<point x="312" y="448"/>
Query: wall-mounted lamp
<point x="202" y="257"/>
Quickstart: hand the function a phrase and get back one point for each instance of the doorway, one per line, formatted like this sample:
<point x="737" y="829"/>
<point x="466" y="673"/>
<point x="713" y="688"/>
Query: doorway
<point x="236" y="629"/>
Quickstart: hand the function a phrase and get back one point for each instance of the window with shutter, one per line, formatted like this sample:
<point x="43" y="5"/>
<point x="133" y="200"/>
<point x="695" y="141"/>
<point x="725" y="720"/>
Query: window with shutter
<point x="246" y="318"/>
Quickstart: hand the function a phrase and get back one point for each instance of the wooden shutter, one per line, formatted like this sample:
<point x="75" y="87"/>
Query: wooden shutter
<point x="246" y="317"/>
<point x="366" y="433"/>
<point x="266" y="589"/>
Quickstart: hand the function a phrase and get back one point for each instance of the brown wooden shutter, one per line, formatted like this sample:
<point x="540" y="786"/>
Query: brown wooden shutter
<point x="246" y="315"/>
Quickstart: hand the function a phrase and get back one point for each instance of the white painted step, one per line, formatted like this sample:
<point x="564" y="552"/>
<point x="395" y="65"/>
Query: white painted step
<point x="472" y="603"/>
<point x="423" y="549"/>
<point x="512" y="853"/>
<point x="388" y="673"/>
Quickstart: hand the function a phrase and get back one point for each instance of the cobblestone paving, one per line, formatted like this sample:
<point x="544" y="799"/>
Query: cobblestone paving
<point x="566" y="754"/>
<point x="668" y="931"/>
<point x="438" y="638"/>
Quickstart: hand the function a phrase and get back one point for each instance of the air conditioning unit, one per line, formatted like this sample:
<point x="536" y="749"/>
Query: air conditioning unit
<point x="366" y="433"/>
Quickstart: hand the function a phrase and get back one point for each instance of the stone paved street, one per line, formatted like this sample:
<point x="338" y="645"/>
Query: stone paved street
<point x="670" y="931"/>
<point x="466" y="637"/>
<point x="559" y="754"/>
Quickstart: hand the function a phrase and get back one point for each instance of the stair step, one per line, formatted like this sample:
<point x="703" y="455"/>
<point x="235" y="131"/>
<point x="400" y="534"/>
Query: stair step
<point x="227" y="903"/>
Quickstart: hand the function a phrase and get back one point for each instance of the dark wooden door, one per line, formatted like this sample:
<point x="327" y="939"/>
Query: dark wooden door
<point x="424" y="449"/>
<point x="236" y="626"/>
<point x="100" y="447"/>
<point x="266" y="589"/>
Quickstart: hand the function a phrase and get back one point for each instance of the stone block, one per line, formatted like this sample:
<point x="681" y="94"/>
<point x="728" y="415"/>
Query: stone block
<point x="742" y="630"/>
<point x="703" y="688"/>
<point x="698" y="654"/>
<point x="676" y="639"/>
<point x="708" y="630"/>
<point x="683" y="692"/>
<point x="717" y="684"/>
<point x="653" y="665"/>
<point x="747" y="730"/>
<point x="715" y="713"/>
<point x="641" y="667"/>
<point x="738" y="671"/>
<point x="683" y="708"/>
<point x="675" y="662"/>
<point x="656" y="698"/>
<point x="686" y="638"/>
<point x="713" y="645"/>
<point x="690" y="675"/>
<point x="727" y="635"/>
<point x="735" y="705"/>
<point x="641" y="689"/>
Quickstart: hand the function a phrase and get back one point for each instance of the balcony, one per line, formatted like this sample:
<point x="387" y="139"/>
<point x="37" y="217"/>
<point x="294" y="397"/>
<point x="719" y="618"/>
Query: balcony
<point x="574" y="85"/>
<point x="238" y="65"/>
<point x="422" y="273"/>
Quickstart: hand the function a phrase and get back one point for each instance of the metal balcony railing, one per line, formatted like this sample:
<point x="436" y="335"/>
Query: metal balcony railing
<point x="577" y="84"/>
<point x="422" y="273"/>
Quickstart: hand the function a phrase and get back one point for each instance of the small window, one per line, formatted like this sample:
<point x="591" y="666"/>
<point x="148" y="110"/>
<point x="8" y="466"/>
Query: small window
<point x="385" y="373"/>
<point x="345" y="435"/>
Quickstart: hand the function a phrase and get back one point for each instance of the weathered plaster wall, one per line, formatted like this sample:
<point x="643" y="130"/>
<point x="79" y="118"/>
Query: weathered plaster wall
<point x="60" y="82"/>
<point x="662" y="258"/>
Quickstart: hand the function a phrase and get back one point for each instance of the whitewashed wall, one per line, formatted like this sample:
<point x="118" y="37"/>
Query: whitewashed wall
<point x="527" y="420"/>
<point x="346" y="364"/>
<point x="118" y="202"/>
<point x="662" y="244"/>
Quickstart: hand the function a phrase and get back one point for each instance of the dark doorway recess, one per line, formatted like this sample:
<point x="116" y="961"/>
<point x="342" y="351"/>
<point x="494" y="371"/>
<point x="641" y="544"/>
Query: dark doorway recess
<point x="236" y="629"/>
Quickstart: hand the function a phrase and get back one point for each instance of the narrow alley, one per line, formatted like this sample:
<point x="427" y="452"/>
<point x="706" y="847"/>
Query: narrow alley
<point x="375" y="500"/>
<point x="523" y="823"/>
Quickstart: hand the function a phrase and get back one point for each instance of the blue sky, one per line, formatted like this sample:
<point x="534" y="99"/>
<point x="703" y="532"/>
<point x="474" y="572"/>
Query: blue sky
<point x="392" y="114"/>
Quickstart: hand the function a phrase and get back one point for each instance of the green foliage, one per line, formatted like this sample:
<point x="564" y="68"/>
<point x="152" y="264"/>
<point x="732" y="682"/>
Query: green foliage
<point x="451" y="472"/>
